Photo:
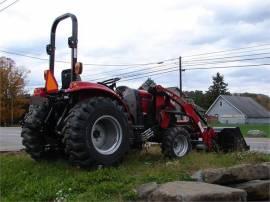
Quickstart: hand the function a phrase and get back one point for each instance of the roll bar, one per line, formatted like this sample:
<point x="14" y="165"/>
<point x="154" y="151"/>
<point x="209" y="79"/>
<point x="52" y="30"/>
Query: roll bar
<point x="72" y="42"/>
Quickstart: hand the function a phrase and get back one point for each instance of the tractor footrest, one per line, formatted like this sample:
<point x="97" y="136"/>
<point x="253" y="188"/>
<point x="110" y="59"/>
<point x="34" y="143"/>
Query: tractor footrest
<point x="175" y="112"/>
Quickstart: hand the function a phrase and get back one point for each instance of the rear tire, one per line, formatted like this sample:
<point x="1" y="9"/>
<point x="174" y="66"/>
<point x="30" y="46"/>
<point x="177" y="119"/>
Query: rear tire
<point x="96" y="132"/>
<point x="33" y="133"/>
<point x="176" y="142"/>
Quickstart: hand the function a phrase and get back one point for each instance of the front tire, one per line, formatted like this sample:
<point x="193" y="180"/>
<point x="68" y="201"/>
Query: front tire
<point x="176" y="142"/>
<point x="96" y="132"/>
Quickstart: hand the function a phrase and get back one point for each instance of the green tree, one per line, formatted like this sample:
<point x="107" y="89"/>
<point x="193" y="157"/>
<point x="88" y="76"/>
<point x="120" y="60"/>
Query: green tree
<point x="147" y="84"/>
<point x="219" y="87"/>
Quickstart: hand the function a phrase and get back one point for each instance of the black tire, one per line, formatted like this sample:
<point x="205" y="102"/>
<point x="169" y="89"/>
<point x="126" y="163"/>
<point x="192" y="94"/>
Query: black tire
<point x="33" y="133"/>
<point x="171" y="137"/>
<point x="80" y="127"/>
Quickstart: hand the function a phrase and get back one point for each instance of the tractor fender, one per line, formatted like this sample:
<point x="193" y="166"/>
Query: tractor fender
<point x="89" y="89"/>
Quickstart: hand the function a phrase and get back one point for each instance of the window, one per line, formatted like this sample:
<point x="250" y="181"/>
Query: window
<point x="220" y="103"/>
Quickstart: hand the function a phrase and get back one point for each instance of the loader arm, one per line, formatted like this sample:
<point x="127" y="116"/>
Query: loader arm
<point x="187" y="108"/>
<point x="226" y="139"/>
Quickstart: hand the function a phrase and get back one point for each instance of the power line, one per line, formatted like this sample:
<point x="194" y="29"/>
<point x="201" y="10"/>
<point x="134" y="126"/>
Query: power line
<point x="229" y="50"/>
<point x="225" y="67"/>
<point x="137" y="67"/>
<point x="231" y="54"/>
<point x="146" y="71"/>
<point x="138" y="64"/>
<point x="86" y="64"/>
<point x="23" y="55"/>
<point x="226" y="61"/>
<point x="236" y="56"/>
<point x="3" y="2"/>
<point x="199" y="68"/>
<point x="133" y="64"/>
<point x="190" y="62"/>
<point x="1" y="10"/>
<point x="127" y="73"/>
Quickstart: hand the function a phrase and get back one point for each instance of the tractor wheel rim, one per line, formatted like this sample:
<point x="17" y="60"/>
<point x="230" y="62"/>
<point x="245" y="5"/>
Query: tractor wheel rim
<point x="106" y="135"/>
<point x="180" y="146"/>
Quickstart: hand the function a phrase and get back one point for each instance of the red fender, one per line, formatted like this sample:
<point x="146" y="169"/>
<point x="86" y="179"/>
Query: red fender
<point x="90" y="89"/>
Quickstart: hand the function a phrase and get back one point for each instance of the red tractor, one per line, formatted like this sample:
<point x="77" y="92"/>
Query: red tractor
<point x="97" y="123"/>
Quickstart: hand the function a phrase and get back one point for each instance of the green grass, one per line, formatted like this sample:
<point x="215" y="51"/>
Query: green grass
<point x="246" y="127"/>
<point x="23" y="179"/>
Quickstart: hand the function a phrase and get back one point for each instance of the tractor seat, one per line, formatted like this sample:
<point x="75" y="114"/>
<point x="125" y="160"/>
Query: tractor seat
<point x="121" y="89"/>
<point x="66" y="78"/>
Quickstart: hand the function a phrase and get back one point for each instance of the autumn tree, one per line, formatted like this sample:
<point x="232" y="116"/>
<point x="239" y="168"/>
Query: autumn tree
<point x="219" y="87"/>
<point x="12" y="91"/>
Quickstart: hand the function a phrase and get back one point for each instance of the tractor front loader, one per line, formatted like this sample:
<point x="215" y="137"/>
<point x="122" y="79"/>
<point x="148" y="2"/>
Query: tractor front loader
<point x="98" y="123"/>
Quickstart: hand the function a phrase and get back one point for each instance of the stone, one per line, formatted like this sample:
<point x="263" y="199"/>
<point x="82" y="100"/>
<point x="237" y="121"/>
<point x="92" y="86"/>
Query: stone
<point x="256" y="133"/>
<point x="145" y="189"/>
<point x="235" y="174"/>
<point x="256" y="189"/>
<point x="195" y="191"/>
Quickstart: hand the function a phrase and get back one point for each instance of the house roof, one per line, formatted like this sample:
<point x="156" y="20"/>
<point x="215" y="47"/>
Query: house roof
<point x="247" y="106"/>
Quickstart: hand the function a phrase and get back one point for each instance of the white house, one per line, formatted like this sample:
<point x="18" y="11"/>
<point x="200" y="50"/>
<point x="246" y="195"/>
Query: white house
<point x="238" y="110"/>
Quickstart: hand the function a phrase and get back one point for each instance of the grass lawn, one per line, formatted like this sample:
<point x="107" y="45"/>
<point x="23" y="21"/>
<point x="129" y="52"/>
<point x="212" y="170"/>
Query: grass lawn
<point x="246" y="127"/>
<point x="23" y="179"/>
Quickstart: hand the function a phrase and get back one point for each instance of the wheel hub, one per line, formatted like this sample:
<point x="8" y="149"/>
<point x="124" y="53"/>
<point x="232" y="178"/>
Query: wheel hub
<point x="180" y="146"/>
<point x="106" y="134"/>
<point x="96" y="134"/>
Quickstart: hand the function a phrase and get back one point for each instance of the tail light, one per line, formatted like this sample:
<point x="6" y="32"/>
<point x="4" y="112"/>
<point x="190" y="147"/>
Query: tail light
<point x="78" y="68"/>
<point x="39" y="92"/>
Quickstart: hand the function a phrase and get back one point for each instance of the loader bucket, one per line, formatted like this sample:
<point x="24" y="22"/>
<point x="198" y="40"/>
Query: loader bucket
<point x="230" y="139"/>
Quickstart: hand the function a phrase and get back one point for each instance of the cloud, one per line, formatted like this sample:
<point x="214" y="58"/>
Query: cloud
<point x="250" y="13"/>
<point x="258" y="74"/>
<point x="139" y="31"/>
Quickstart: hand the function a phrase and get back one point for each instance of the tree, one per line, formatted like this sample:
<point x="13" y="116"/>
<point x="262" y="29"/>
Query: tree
<point x="262" y="99"/>
<point x="12" y="84"/>
<point x="219" y="87"/>
<point x="199" y="98"/>
<point x="147" y="84"/>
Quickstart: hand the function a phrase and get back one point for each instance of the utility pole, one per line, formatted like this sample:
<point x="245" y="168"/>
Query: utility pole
<point x="180" y="74"/>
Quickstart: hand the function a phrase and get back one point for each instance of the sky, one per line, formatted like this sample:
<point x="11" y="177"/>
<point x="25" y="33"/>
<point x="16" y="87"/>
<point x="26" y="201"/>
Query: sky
<point x="145" y="31"/>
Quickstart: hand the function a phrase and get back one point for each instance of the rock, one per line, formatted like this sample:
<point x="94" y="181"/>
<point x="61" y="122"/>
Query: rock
<point x="235" y="174"/>
<point x="145" y="189"/>
<point x="256" y="189"/>
<point x="256" y="133"/>
<point x="195" y="191"/>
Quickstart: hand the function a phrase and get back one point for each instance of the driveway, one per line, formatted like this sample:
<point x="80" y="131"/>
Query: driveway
<point x="10" y="140"/>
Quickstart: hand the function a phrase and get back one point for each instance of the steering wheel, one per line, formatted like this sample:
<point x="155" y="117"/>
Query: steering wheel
<point x="111" y="83"/>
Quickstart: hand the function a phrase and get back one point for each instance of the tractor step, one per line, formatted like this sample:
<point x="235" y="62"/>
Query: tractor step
<point x="201" y="147"/>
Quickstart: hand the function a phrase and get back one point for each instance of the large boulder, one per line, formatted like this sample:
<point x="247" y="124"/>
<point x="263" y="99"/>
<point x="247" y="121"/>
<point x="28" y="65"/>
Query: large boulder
<point x="256" y="133"/>
<point x="195" y="191"/>
<point x="256" y="189"/>
<point x="235" y="174"/>
<point x="144" y="190"/>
